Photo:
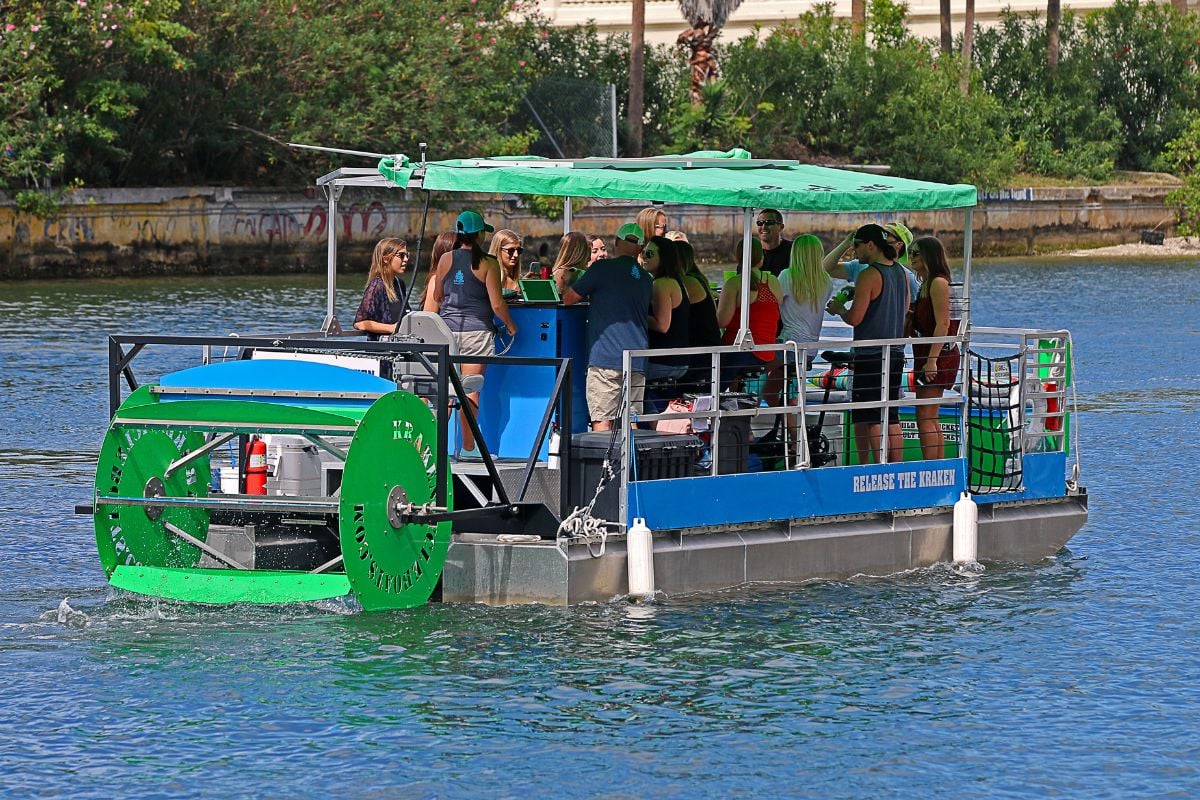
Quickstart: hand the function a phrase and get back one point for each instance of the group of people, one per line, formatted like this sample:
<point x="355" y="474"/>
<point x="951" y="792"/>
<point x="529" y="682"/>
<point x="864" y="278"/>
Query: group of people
<point x="645" y="291"/>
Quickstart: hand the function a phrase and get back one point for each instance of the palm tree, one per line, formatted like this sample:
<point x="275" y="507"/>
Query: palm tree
<point x="637" y="77"/>
<point x="706" y="18"/>
<point x="968" y="40"/>
<point x="1053" y="18"/>
<point x="944" y="19"/>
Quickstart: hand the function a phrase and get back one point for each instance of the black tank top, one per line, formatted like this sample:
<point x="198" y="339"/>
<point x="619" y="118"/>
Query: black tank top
<point x="676" y="334"/>
<point x="885" y="315"/>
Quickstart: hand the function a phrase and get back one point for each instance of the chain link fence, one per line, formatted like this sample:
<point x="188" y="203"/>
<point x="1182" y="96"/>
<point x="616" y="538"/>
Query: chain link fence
<point x="576" y="118"/>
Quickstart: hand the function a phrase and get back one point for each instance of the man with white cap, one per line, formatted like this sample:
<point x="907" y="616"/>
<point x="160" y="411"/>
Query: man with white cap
<point x="619" y="292"/>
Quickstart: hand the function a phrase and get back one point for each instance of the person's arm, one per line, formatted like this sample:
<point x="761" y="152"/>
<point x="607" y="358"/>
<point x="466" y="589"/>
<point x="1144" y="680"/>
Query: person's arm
<point x="661" y="303"/>
<point x="579" y="291"/>
<point x="775" y="287"/>
<point x="833" y="259"/>
<point x="696" y="291"/>
<point x="433" y="293"/>
<point x="491" y="270"/>
<point x="939" y="293"/>
<point x="866" y="289"/>
<point x="731" y="295"/>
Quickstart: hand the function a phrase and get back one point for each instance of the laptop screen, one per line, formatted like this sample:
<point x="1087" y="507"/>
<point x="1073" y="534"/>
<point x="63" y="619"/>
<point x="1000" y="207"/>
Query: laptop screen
<point x="538" y="290"/>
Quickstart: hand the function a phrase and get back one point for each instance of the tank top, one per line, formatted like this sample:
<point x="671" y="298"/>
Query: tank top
<point x="924" y="320"/>
<point x="885" y="315"/>
<point x="465" y="302"/>
<point x="764" y="321"/>
<point x="676" y="334"/>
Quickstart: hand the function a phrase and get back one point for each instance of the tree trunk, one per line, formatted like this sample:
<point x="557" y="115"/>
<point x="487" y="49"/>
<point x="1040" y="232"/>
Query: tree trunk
<point x="1180" y="5"/>
<point x="947" y="33"/>
<point x="964" y="82"/>
<point x="858" y="18"/>
<point x="1053" y="18"/>
<point x="637" y="70"/>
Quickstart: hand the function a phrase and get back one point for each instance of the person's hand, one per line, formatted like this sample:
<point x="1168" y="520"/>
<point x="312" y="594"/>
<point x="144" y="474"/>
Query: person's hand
<point x="930" y="369"/>
<point x="512" y="329"/>
<point x="835" y="308"/>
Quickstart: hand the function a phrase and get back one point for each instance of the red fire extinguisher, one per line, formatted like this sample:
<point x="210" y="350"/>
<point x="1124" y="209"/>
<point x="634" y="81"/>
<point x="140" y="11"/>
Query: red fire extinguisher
<point x="256" y="466"/>
<point x="1055" y="423"/>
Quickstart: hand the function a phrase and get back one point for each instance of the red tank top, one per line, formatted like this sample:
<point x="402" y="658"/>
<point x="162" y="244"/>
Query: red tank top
<point x="764" y="321"/>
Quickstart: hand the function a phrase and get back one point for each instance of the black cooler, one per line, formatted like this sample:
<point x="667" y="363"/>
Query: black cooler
<point x="659" y="455"/>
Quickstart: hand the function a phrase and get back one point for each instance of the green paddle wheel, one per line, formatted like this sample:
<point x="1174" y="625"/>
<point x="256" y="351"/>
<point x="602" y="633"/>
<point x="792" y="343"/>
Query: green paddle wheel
<point x="154" y="509"/>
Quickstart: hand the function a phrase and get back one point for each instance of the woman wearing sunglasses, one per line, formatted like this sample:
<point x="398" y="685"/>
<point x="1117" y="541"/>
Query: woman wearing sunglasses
<point x="386" y="297"/>
<point x="507" y="249"/>
<point x="933" y="314"/>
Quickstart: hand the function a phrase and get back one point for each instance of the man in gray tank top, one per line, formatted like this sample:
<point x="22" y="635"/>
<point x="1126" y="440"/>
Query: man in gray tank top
<point x="881" y="300"/>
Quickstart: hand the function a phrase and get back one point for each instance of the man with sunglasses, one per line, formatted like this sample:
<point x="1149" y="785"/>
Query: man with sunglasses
<point x="619" y="291"/>
<point x="777" y="251"/>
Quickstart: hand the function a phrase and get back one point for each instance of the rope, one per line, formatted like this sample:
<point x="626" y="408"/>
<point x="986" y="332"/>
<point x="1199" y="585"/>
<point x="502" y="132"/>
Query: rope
<point x="580" y="524"/>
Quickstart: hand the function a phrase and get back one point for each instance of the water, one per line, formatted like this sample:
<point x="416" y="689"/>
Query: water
<point x="1075" y="677"/>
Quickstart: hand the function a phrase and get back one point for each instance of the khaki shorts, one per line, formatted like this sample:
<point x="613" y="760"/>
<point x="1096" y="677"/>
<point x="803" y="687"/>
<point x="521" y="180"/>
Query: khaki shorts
<point x="604" y="393"/>
<point x="475" y="343"/>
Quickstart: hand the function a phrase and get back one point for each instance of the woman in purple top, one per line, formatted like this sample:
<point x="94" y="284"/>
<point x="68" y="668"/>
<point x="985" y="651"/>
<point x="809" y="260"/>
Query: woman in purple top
<point x="386" y="297"/>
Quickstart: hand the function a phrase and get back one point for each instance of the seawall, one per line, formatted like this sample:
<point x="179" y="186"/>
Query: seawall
<point x="220" y="230"/>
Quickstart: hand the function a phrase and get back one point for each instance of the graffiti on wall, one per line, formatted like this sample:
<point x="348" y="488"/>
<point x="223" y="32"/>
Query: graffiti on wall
<point x="276" y="225"/>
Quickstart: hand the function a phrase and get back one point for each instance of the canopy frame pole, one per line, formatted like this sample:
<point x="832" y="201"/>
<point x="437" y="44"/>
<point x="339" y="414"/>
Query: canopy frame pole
<point x="964" y="330"/>
<point x="331" y="324"/>
<point x="968" y="242"/>
<point x="744" y="339"/>
<point x="566" y="215"/>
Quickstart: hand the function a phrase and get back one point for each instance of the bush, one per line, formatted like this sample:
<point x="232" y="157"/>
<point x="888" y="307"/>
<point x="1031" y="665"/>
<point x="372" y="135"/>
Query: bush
<point x="1056" y="120"/>
<point x="1183" y="153"/>
<point x="1141" y="60"/>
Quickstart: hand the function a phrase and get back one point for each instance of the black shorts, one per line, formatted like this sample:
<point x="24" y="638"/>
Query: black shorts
<point x="867" y="367"/>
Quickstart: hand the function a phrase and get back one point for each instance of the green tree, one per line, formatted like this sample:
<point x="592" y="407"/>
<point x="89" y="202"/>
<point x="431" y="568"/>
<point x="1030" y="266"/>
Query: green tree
<point x="1057" y="122"/>
<point x="1142" y="62"/>
<point x="1183" y="154"/>
<point x="71" y="89"/>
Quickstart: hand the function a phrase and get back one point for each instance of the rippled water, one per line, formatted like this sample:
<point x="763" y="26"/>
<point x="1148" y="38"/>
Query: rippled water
<point x="1076" y="677"/>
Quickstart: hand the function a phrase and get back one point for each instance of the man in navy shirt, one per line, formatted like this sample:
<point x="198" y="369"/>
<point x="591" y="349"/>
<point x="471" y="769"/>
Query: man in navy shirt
<point x="619" y="292"/>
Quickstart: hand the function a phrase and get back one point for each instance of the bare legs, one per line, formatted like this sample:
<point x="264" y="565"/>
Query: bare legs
<point x="868" y="440"/>
<point x="933" y="442"/>
<point x="468" y="437"/>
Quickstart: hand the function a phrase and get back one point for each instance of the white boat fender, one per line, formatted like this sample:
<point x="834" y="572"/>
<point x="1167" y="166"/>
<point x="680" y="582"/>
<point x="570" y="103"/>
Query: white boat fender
<point x="639" y="546"/>
<point x="966" y="530"/>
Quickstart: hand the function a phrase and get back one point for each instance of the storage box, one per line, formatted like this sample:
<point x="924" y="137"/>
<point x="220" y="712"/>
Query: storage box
<point x="659" y="456"/>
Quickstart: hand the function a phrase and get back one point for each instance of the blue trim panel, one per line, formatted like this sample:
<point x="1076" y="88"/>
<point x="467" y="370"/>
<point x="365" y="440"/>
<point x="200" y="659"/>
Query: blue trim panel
<point x="761" y="496"/>
<point x="1043" y="475"/>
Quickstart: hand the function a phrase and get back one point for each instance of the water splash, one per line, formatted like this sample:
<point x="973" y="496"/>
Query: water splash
<point x="65" y="615"/>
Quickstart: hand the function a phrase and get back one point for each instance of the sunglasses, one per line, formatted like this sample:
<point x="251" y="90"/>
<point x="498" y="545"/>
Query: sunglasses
<point x="858" y="242"/>
<point x="512" y="250"/>
<point x="650" y="253"/>
<point x="765" y="223"/>
<point x="915" y="254"/>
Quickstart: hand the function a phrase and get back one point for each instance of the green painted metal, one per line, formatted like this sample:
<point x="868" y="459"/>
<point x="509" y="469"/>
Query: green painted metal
<point x="395" y="446"/>
<point x="221" y="586"/>
<point x="132" y="535"/>
<point x="244" y="414"/>
<point x="803" y="187"/>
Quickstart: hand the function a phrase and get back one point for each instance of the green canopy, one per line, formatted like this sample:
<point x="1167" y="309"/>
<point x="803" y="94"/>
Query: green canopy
<point x="708" y="178"/>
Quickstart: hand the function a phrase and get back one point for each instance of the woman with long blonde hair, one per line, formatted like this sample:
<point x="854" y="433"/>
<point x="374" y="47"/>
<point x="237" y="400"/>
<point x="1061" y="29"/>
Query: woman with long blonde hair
<point x="386" y="297"/>
<point x="506" y="248"/>
<point x="572" y="260"/>
<point x="806" y="290"/>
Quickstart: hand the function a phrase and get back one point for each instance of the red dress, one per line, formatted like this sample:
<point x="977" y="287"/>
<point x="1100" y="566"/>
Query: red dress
<point x="764" y="322"/>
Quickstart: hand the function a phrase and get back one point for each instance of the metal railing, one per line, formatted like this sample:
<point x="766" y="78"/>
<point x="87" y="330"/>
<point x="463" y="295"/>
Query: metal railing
<point x="1044" y="357"/>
